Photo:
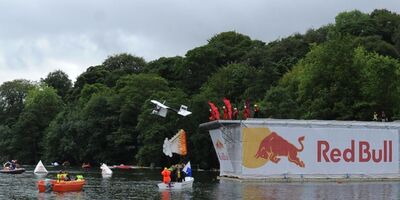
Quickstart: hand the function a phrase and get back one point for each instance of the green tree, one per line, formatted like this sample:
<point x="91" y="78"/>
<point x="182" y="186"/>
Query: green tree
<point x="63" y="136"/>
<point x="386" y="23"/>
<point x="6" y="142"/>
<point x="59" y="80"/>
<point x="282" y="101"/>
<point x="355" y="23"/>
<point x="92" y="75"/>
<point x="41" y="105"/>
<point x="329" y="84"/>
<point x="380" y="83"/>
<point x="172" y="69"/>
<point x="231" y="82"/>
<point x="376" y="44"/>
<point x="12" y="97"/>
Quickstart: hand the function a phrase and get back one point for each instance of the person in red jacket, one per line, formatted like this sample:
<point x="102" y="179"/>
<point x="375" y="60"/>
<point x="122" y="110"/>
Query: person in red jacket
<point x="246" y="113"/>
<point x="235" y="114"/>
<point x="226" y="114"/>
<point x="166" y="176"/>
<point x="211" y="117"/>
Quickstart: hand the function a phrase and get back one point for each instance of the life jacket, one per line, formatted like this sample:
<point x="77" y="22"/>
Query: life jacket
<point x="166" y="176"/>
<point x="79" y="177"/>
<point x="60" y="177"/>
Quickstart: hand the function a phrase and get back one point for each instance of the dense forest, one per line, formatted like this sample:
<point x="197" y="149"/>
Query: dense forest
<point x="341" y="71"/>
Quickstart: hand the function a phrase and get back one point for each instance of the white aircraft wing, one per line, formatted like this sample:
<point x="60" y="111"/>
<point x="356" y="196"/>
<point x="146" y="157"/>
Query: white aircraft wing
<point x="183" y="111"/>
<point x="159" y="104"/>
<point x="160" y="109"/>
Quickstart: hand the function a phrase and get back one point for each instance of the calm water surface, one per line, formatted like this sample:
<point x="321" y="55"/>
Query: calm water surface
<point x="141" y="184"/>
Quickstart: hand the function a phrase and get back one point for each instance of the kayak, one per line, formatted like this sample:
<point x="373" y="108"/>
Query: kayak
<point x="122" y="166"/>
<point x="13" y="171"/>
<point x="60" y="186"/>
<point x="187" y="183"/>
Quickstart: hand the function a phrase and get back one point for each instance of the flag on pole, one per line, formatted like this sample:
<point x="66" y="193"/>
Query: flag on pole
<point x="188" y="169"/>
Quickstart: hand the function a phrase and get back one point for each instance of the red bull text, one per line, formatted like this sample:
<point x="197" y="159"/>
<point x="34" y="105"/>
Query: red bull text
<point x="363" y="153"/>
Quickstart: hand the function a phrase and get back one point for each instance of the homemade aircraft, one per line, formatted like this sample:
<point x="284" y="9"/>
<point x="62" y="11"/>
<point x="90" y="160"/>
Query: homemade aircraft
<point x="161" y="109"/>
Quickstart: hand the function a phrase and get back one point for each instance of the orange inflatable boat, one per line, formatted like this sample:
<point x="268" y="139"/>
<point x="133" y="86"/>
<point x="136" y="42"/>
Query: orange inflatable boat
<point x="60" y="186"/>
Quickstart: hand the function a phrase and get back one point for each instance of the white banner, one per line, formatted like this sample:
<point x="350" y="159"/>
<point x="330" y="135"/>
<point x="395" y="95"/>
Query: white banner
<point x="310" y="150"/>
<point x="222" y="153"/>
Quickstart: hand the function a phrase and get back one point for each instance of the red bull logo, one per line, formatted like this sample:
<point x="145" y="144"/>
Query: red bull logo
<point x="274" y="146"/>
<point x="219" y="144"/>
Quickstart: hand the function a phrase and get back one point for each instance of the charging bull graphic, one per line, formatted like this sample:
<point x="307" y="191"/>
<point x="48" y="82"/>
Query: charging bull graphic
<point x="274" y="145"/>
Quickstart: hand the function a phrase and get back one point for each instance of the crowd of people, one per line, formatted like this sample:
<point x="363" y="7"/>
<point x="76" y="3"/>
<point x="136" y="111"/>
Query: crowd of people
<point x="173" y="174"/>
<point x="64" y="176"/>
<point x="229" y="114"/>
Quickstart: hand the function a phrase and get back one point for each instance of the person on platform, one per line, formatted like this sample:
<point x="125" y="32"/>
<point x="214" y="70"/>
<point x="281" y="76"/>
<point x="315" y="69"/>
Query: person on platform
<point x="235" y="114"/>
<point x="211" y="117"/>
<point x="246" y="113"/>
<point x="384" y="118"/>
<point x="256" y="111"/>
<point x="226" y="113"/>
<point x="375" y="116"/>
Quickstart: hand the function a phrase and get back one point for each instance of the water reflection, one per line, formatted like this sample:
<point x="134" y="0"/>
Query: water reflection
<point x="63" y="196"/>
<point x="272" y="191"/>
<point x="142" y="184"/>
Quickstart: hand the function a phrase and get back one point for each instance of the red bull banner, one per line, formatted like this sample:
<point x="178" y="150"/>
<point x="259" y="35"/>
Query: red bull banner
<point x="221" y="147"/>
<point x="271" y="150"/>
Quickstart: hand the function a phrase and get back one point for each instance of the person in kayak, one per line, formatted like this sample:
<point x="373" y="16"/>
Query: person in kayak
<point x="8" y="165"/>
<point x="63" y="176"/>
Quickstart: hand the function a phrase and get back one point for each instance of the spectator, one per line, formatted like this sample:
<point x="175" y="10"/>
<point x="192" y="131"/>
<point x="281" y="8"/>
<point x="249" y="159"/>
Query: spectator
<point x="211" y="117"/>
<point x="375" y="117"/>
<point x="246" y="113"/>
<point x="226" y="114"/>
<point x="384" y="118"/>
<point x="235" y="114"/>
<point x="256" y="111"/>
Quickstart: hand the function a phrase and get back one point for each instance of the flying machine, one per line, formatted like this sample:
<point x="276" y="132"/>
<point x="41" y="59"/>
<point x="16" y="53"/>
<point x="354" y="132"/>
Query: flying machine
<point x="161" y="109"/>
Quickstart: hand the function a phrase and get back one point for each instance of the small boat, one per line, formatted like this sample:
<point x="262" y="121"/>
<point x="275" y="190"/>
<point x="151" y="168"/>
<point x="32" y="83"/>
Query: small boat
<point x="86" y="165"/>
<point x="12" y="171"/>
<point x="177" y="144"/>
<point x="40" y="169"/>
<point x="60" y="186"/>
<point x="187" y="183"/>
<point x="122" y="166"/>
<point x="105" y="170"/>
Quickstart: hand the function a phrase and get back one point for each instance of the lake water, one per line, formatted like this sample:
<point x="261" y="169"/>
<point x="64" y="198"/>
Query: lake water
<point x="141" y="184"/>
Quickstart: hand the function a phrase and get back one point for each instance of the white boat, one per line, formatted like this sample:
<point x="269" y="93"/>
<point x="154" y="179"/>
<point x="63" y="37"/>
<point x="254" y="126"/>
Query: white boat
<point x="177" y="144"/>
<point x="187" y="183"/>
<point x="40" y="169"/>
<point x="105" y="170"/>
